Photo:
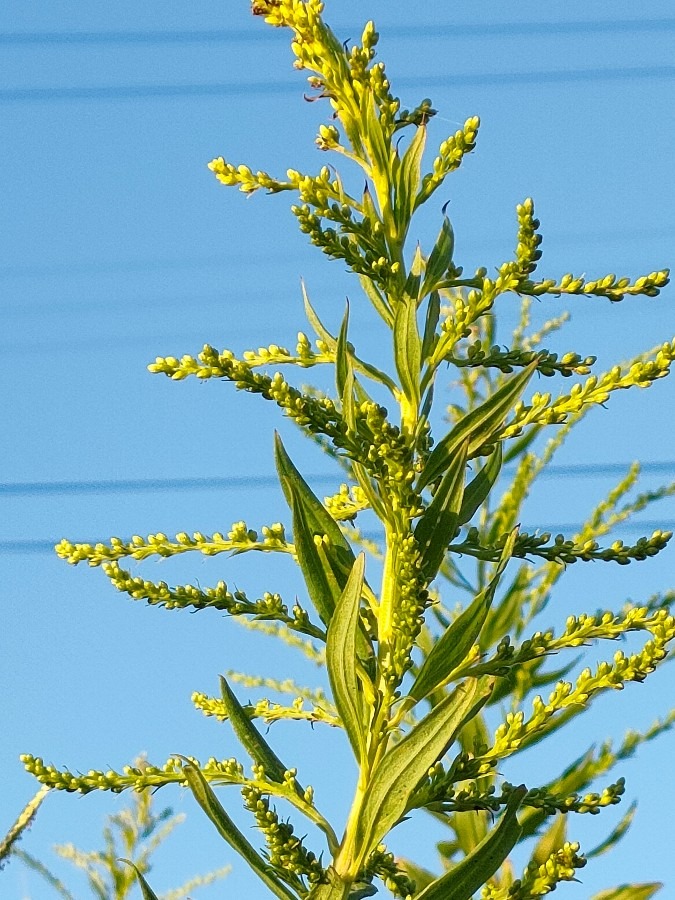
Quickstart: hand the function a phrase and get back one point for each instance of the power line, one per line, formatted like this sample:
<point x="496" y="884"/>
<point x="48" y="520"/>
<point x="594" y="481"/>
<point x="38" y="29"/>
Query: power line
<point x="264" y="88"/>
<point x="644" y="527"/>
<point x="144" y="91"/>
<point x="132" y="485"/>
<point x="394" y="32"/>
<point x="238" y="482"/>
<point x="76" y="268"/>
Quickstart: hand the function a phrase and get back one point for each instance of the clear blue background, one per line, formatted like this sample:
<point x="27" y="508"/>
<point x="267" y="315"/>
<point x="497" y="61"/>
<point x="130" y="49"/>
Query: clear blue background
<point x="118" y="245"/>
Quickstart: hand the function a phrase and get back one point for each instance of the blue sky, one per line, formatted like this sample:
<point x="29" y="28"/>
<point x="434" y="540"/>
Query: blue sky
<point x="119" y="245"/>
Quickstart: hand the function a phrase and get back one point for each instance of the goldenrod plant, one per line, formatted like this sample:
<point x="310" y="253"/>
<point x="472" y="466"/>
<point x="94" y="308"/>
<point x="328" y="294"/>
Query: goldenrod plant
<point x="438" y="665"/>
<point x="25" y="819"/>
<point x="130" y="839"/>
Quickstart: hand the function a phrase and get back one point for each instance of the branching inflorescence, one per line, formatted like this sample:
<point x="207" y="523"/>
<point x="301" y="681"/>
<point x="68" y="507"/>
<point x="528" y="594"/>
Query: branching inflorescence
<point x="433" y="697"/>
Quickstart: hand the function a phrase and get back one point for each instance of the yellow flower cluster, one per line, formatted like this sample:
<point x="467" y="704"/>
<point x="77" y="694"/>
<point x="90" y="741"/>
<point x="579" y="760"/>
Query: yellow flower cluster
<point x="595" y="390"/>
<point x="268" y="711"/>
<point x="239" y="539"/>
<point x="539" y="880"/>
<point x="450" y="155"/>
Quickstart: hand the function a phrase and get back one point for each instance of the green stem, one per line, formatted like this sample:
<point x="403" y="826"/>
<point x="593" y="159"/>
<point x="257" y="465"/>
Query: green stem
<point x="388" y="592"/>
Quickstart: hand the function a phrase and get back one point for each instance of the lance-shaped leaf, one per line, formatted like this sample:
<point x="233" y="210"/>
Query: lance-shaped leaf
<point x="362" y="889"/>
<point x="373" y="294"/>
<point x="478" y="489"/>
<point x="314" y="320"/>
<point x="453" y="645"/>
<point x="477" y="427"/>
<point x="325" y="573"/>
<point x="440" y="258"/>
<point x="408" y="349"/>
<point x="208" y="801"/>
<point x="331" y="343"/>
<point x="616" y="834"/>
<point x="318" y="518"/>
<point x="630" y="892"/>
<point x="427" y="403"/>
<point x="438" y="524"/>
<point x="344" y="374"/>
<point x="342" y="660"/>
<point x="325" y="566"/>
<point x="464" y="879"/>
<point x="378" y="150"/>
<point x="408" y="181"/>
<point x="395" y="779"/>
<point x="414" y="279"/>
<point x="319" y="576"/>
<point x="341" y="354"/>
<point x="431" y="324"/>
<point x="252" y="741"/>
<point x="366" y="484"/>
<point x="550" y="841"/>
<point x="146" y="890"/>
<point x="378" y="144"/>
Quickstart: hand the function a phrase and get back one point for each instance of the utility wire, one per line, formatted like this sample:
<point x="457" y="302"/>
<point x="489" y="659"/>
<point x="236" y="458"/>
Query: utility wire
<point x="393" y="32"/>
<point x="264" y="88"/>
<point x="484" y="243"/>
<point x="239" y="482"/>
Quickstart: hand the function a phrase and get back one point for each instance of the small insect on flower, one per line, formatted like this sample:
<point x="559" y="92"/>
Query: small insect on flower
<point x="263" y="7"/>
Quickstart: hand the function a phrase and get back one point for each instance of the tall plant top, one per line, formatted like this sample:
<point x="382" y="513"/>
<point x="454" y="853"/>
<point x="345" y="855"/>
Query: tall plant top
<point x="434" y="667"/>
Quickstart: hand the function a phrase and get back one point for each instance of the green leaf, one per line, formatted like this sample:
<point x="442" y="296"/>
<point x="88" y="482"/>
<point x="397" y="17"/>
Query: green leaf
<point x="462" y="881"/>
<point x="395" y="779"/>
<point x="478" y="489"/>
<point x="408" y="182"/>
<point x="408" y="349"/>
<point x="616" y="835"/>
<point x="521" y="445"/>
<point x="478" y="426"/>
<point x="369" y="489"/>
<point x="146" y="890"/>
<point x="629" y="892"/>
<point x="318" y="574"/>
<point x="430" y="324"/>
<point x="422" y="877"/>
<point x="414" y="279"/>
<point x="440" y="258"/>
<point x="438" y="524"/>
<point x="342" y="660"/>
<point x="374" y="133"/>
<point x="368" y="205"/>
<point x="319" y="520"/>
<point x="342" y="354"/>
<point x="253" y="742"/>
<point x="321" y="332"/>
<point x="453" y="645"/>
<point x="375" y="297"/>
<point x="362" y="889"/>
<point x="344" y="373"/>
<point x="331" y="343"/>
<point x="326" y="566"/>
<point x="208" y="801"/>
<point x="425" y="408"/>
<point x="378" y="149"/>
<point x="551" y="840"/>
